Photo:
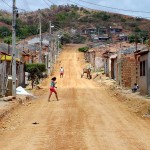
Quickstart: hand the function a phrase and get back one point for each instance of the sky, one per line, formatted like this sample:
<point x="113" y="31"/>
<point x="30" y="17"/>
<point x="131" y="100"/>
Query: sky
<point x="133" y="5"/>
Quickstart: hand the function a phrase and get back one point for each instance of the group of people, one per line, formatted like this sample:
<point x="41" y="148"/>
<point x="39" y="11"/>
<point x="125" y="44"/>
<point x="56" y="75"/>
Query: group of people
<point x="53" y="84"/>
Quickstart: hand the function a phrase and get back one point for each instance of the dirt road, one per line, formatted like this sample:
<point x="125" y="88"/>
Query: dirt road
<point x="85" y="118"/>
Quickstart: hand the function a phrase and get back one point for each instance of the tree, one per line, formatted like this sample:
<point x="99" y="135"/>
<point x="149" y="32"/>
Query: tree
<point x="8" y="40"/>
<point x="4" y="31"/>
<point x="65" y="39"/>
<point x="36" y="72"/>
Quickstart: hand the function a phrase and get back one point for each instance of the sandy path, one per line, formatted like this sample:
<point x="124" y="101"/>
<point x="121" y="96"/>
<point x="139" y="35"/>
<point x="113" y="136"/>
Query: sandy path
<point x="85" y="118"/>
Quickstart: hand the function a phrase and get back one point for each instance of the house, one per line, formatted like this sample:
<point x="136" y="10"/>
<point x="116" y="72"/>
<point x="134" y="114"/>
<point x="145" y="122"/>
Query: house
<point x="113" y="59"/>
<point x="6" y="73"/>
<point x="94" y="57"/>
<point x="121" y="64"/>
<point x="127" y="72"/>
<point x="143" y="57"/>
<point x="89" y="31"/>
<point x="102" y="30"/>
<point x="115" y="29"/>
<point x="107" y="62"/>
<point x="103" y="37"/>
<point x="126" y="68"/>
<point x="122" y="37"/>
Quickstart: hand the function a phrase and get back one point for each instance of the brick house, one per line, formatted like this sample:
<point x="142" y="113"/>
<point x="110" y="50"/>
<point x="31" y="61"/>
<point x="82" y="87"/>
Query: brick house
<point x="127" y="72"/>
<point x="127" y="64"/>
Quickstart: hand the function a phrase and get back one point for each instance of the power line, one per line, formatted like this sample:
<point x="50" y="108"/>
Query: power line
<point x="12" y="7"/>
<point x="129" y="10"/>
<point x="7" y="4"/>
<point x="46" y="3"/>
<point x="99" y="10"/>
<point x="51" y="2"/>
<point x="56" y="27"/>
<point x="67" y="33"/>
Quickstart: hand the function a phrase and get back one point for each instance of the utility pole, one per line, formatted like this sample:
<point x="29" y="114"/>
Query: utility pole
<point x="49" y="48"/>
<point x="136" y="41"/>
<point x="40" y="35"/>
<point x="14" y="50"/>
<point x="149" y="37"/>
<point x="58" y="44"/>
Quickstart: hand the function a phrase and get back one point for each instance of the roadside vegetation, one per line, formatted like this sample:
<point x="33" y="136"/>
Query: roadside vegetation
<point x="83" y="49"/>
<point x="36" y="72"/>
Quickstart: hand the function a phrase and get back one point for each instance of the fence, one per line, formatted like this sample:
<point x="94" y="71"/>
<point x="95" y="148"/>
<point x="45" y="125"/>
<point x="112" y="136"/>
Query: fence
<point x="3" y="79"/>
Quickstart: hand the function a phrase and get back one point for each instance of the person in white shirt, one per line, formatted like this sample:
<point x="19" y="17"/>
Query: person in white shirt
<point x="61" y="72"/>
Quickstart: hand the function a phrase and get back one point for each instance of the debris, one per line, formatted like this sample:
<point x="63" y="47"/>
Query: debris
<point x="146" y="115"/>
<point x="21" y="91"/>
<point x="35" y="123"/>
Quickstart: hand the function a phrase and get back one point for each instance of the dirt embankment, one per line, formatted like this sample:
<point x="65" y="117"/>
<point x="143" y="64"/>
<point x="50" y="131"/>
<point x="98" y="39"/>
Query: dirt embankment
<point x="134" y="101"/>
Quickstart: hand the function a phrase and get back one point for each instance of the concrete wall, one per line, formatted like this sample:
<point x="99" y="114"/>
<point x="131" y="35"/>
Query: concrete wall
<point x="143" y="79"/>
<point x="106" y="66"/>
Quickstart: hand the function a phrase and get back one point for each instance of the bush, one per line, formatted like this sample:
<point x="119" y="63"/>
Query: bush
<point x="36" y="71"/>
<point x="4" y="31"/>
<point x="6" y="20"/>
<point x="83" y="49"/>
<point x="65" y="39"/>
<point x="8" y="40"/>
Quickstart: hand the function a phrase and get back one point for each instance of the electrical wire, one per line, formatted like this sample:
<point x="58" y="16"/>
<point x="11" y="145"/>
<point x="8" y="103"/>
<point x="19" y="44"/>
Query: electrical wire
<point x="46" y="3"/>
<point x="99" y="10"/>
<point x="58" y="28"/>
<point x="51" y="2"/>
<point x="129" y="10"/>
<point x="67" y="33"/>
<point x="6" y="4"/>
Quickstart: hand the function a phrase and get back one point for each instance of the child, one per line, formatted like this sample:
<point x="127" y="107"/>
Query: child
<point x="135" y="88"/>
<point x="61" y="72"/>
<point x="52" y="88"/>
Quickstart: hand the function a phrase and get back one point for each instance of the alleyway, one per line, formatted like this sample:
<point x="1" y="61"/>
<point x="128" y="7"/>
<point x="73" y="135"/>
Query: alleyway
<point x="85" y="118"/>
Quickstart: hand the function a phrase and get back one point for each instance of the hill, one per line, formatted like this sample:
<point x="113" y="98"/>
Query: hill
<point x="71" y="17"/>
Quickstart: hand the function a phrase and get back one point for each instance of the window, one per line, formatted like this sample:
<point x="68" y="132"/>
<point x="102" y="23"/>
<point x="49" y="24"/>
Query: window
<point x="142" y="68"/>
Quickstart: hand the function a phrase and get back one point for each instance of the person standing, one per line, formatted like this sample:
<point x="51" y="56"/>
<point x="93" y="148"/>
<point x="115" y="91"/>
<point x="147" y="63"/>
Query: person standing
<point x="52" y="88"/>
<point x="61" y="72"/>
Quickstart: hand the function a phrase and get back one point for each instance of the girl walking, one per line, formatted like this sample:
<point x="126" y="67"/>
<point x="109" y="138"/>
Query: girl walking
<point x="52" y="88"/>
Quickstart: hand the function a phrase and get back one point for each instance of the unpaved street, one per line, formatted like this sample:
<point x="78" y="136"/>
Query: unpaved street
<point x="85" y="118"/>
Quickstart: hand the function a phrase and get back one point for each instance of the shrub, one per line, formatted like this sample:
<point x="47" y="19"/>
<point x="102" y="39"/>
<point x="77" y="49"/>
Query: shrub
<point x="5" y="30"/>
<point x="36" y="71"/>
<point x="83" y="49"/>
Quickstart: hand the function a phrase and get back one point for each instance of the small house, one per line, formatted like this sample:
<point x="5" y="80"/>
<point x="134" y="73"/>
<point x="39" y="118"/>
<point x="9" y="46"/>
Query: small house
<point x="116" y="29"/>
<point x="143" y="57"/>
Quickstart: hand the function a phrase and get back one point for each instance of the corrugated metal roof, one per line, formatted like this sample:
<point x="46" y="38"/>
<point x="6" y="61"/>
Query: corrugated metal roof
<point x="36" y="40"/>
<point x="131" y="50"/>
<point x="4" y="48"/>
